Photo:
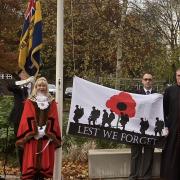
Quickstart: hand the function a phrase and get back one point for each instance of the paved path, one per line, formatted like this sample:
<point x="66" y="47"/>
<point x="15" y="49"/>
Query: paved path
<point x="10" y="177"/>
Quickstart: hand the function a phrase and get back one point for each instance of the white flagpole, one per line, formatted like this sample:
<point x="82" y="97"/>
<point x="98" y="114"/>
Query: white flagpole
<point x="59" y="83"/>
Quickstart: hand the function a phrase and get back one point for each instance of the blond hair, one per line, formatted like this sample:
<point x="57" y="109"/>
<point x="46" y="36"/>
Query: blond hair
<point x="41" y="80"/>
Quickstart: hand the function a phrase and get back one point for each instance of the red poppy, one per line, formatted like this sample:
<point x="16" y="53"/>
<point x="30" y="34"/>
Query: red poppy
<point x="122" y="103"/>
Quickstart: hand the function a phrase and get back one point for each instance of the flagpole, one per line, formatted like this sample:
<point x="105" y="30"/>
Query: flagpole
<point x="59" y="83"/>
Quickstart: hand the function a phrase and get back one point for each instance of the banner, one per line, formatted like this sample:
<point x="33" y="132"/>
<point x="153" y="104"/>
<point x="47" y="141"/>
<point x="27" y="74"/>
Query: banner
<point x="100" y="112"/>
<point x="31" y="39"/>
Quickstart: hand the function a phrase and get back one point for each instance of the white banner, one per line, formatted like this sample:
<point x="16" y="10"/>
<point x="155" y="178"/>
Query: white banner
<point x="101" y="112"/>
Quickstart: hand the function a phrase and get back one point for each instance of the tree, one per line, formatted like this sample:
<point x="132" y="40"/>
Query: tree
<point x="141" y="49"/>
<point x="101" y="38"/>
<point x="120" y="43"/>
<point x="48" y="53"/>
<point x="163" y="17"/>
<point x="10" y="18"/>
<point x="115" y="13"/>
<point x="87" y="51"/>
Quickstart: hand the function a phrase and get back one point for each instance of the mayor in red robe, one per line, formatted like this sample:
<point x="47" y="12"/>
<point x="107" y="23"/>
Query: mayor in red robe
<point x="39" y="133"/>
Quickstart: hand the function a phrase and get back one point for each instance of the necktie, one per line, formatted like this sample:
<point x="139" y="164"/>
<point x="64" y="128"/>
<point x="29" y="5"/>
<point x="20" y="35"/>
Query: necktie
<point x="148" y="92"/>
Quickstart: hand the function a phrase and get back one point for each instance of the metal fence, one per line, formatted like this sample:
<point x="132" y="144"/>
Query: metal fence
<point x="126" y="84"/>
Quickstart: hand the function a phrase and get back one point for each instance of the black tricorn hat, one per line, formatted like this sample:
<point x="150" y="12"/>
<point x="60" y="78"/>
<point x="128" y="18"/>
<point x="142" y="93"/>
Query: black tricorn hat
<point x="19" y="71"/>
<point x="16" y="75"/>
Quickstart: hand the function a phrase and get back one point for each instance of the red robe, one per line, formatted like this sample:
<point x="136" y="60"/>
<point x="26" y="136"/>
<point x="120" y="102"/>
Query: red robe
<point x="43" y="162"/>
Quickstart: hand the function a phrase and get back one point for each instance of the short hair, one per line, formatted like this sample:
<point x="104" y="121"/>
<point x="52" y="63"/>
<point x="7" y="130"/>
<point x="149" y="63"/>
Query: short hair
<point x="147" y="73"/>
<point x="178" y="69"/>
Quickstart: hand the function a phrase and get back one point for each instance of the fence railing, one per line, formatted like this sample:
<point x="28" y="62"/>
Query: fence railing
<point x="126" y="84"/>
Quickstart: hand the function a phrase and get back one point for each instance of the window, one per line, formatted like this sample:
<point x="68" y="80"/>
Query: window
<point x="8" y="76"/>
<point x="1" y="76"/>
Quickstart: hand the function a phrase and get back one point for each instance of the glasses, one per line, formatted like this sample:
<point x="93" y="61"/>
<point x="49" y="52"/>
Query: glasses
<point x="146" y="79"/>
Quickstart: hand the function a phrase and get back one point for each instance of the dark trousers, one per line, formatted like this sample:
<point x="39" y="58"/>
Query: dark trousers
<point x="38" y="176"/>
<point x="141" y="163"/>
<point x="18" y="149"/>
<point x="20" y="157"/>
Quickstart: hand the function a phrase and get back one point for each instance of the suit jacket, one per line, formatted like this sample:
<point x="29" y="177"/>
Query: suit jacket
<point x="141" y="91"/>
<point x="20" y="94"/>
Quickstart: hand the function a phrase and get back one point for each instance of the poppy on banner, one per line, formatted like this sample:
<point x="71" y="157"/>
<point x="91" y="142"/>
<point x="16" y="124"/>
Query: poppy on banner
<point x="124" y="106"/>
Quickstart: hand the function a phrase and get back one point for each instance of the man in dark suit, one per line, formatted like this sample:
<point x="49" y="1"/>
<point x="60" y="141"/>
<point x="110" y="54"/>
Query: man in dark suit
<point x="141" y="163"/>
<point x="20" y="93"/>
<point x="170" y="159"/>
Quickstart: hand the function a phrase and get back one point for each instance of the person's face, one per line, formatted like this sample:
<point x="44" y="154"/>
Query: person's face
<point x="178" y="77"/>
<point x="147" y="81"/>
<point x="41" y="88"/>
<point x="23" y="75"/>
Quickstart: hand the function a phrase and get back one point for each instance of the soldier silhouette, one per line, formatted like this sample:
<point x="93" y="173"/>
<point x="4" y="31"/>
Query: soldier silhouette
<point x="124" y="120"/>
<point x="78" y="113"/>
<point x="144" y="126"/>
<point x="111" y="118"/>
<point x="159" y="125"/>
<point x="95" y="113"/>
<point x="104" y="118"/>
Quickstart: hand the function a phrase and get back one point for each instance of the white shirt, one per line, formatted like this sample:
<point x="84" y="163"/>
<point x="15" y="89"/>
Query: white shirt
<point x="147" y="90"/>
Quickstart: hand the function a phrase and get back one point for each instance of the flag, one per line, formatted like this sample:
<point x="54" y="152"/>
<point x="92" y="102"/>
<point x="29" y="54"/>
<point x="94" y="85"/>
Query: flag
<point x="100" y="112"/>
<point x="31" y="39"/>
